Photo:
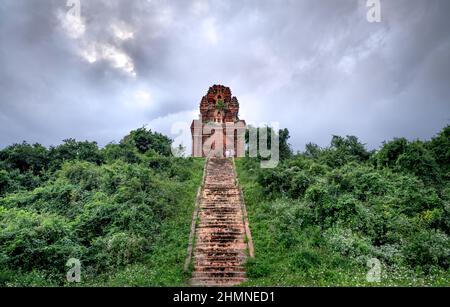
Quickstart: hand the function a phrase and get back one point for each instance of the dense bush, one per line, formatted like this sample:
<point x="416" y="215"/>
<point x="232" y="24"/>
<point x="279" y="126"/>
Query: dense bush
<point x="25" y="157"/>
<point x="409" y="157"/>
<point x="145" y="140"/>
<point x="72" y="150"/>
<point x="31" y="241"/>
<point x="341" y="151"/>
<point x="392" y="204"/>
<point x="428" y="248"/>
<point x="105" y="207"/>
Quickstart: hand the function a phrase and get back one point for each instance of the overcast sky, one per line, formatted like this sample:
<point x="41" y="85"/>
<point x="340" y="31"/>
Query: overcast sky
<point x="317" y="67"/>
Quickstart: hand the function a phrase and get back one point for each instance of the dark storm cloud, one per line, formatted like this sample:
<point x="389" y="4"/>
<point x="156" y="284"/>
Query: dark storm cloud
<point x="316" y="66"/>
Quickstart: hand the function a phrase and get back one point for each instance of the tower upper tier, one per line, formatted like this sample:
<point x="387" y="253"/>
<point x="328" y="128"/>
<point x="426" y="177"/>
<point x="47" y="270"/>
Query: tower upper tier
<point x="218" y="105"/>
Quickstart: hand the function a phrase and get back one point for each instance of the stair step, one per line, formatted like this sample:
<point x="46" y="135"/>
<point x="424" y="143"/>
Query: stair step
<point x="232" y="260"/>
<point x="220" y="269"/>
<point x="218" y="274"/>
<point x="220" y="252"/>
<point x="207" y="236"/>
<point x="235" y="265"/>
<point x="220" y="217"/>
<point x="220" y="226"/>
<point x="216" y="246"/>
<point x="218" y="231"/>
<point x="222" y="241"/>
<point x="222" y="209"/>
<point x="214" y="282"/>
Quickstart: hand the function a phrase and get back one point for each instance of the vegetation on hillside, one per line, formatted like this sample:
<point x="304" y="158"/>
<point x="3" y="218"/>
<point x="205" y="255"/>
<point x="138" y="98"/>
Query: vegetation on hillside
<point x="124" y="211"/>
<point x="321" y="215"/>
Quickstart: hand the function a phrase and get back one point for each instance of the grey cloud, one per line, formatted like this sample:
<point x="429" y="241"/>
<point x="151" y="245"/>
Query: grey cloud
<point x="316" y="66"/>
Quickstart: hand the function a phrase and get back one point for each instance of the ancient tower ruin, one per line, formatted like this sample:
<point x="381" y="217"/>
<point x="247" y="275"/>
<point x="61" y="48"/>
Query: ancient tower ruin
<point x="218" y="132"/>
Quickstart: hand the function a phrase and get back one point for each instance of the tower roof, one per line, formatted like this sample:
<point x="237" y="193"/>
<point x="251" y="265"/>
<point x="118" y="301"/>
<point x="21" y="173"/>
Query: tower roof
<point x="219" y="105"/>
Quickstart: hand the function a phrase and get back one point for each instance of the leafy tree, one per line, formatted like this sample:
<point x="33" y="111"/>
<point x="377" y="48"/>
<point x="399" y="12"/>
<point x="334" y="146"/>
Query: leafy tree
<point x="419" y="161"/>
<point x="285" y="147"/>
<point x="25" y="157"/>
<point x="409" y="157"/>
<point x="312" y="151"/>
<point x="74" y="150"/>
<point x="4" y="181"/>
<point x="351" y="146"/>
<point x="145" y="140"/>
<point x="440" y="149"/>
<point x="388" y="155"/>
<point x="340" y="152"/>
<point x="124" y="152"/>
<point x="285" y="150"/>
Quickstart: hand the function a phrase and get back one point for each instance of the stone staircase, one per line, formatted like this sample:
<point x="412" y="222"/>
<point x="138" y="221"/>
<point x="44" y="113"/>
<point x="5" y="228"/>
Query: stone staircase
<point x="221" y="232"/>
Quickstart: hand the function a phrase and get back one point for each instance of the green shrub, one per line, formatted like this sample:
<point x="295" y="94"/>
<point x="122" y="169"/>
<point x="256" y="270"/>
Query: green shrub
<point x="343" y="151"/>
<point x="34" y="278"/>
<point x="427" y="249"/>
<point x="4" y="182"/>
<point x="36" y="242"/>
<point x="257" y="268"/>
<point x="117" y="250"/>
<point x="125" y="152"/>
<point x="300" y="182"/>
<point x="84" y="174"/>
<point x="349" y="244"/>
<point x="440" y="149"/>
<point x="306" y="260"/>
<point x="288" y="218"/>
<point x="96" y="220"/>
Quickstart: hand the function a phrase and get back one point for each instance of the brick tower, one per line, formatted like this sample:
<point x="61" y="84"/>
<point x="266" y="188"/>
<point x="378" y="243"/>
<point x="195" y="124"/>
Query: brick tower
<point x="219" y="131"/>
